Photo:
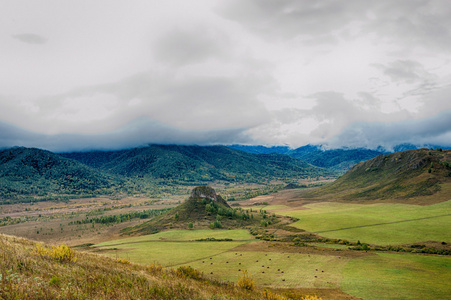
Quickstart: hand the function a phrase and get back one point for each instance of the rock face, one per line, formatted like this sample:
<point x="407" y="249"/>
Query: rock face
<point x="206" y="192"/>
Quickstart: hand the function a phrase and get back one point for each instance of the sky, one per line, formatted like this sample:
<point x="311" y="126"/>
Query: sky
<point x="83" y="75"/>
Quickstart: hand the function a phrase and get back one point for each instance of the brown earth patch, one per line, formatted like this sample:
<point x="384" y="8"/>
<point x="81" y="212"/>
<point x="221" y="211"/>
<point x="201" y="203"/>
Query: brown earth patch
<point x="284" y="247"/>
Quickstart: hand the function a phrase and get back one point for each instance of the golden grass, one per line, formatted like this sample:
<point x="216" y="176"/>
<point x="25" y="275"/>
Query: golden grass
<point x="28" y="273"/>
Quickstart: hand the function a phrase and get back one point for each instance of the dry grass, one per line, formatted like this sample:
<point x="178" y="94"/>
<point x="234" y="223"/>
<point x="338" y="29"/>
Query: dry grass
<point x="27" y="273"/>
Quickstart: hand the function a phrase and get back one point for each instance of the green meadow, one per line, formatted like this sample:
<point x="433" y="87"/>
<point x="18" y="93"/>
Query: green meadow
<point x="276" y="269"/>
<point x="398" y="276"/>
<point x="372" y="275"/>
<point x="176" y="247"/>
<point x="369" y="276"/>
<point x="381" y="224"/>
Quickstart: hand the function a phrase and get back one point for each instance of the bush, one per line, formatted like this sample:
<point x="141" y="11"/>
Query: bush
<point x="123" y="261"/>
<point x="246" y="282"/>
<point x="271" y="296"/>
<point x="189" y="272"/>
<point x="55" y="281"/>
<point x="311" y="298"/>
<point x="61" y="253"/>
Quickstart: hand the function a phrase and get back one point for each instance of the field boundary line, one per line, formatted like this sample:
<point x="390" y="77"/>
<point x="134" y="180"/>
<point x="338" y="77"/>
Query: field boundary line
<point x="380" y="224"/>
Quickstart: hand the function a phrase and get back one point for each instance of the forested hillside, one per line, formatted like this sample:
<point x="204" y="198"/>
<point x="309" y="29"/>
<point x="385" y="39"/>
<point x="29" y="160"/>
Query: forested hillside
<point x="29" y="174"/>
<point x="199" y="164"/>
<point x="337" y="159"/>
<point x="34" y="172"/>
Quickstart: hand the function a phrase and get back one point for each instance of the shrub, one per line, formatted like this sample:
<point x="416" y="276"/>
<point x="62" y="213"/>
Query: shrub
<point x="189" y="272"/>
<point x="63" y="253"/>
<point x="308" y="297"/>
<point x="190" y="225"/>
<point x="60" y="253"/>
<point x="123" y="261"/>
<point x="246" y="282"/>
<point x="271" y="296"/>
<point x="55" y="281"/>
<point x="154" y="269"/>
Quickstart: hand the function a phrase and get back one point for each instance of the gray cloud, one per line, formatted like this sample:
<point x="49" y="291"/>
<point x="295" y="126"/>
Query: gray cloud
<point x="415" y="23"/>
<point x="190" y="45"/>
<point x="408" y="71"/>
<point x="139" y="132"/>
<point x="273" y="72"/>
<point x="432" y="130"/>
<point x="291" y="18"/>
<point x="30" y="38"/>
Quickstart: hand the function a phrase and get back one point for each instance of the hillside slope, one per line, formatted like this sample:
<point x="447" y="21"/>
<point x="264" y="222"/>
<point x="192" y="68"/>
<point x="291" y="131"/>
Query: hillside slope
<point x="30" y="270"/>
<point x="400" y="175"/>
<point x="36" y="172"/>
<point x="198" y="164"/>
<point x="203" y="209"/>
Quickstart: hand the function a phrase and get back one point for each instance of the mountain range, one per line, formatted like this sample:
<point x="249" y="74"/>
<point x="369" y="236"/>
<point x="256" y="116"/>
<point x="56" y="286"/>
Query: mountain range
<point x="28" y="174"/>
<point x="339" y="160"/>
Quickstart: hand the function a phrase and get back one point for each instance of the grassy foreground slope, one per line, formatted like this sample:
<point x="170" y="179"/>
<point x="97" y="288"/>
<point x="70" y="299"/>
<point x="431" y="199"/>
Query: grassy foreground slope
<point x="29" y="270"/>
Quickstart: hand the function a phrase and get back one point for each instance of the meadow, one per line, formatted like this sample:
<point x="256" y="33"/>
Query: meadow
<point x="380" y="224"/>
<point x="278" y="265"/>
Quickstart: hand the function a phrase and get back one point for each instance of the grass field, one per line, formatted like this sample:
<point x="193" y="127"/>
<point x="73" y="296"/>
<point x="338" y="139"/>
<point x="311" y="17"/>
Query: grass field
<point x="382" y="224"/>
<point x="176" y="247"/>
<point x="276" y="269"/>
<point x="364" y="275"/>
<point x="398" y="276"/>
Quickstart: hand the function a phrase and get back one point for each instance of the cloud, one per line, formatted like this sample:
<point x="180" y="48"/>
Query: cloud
<point x="407" y="71"/>
<point x="292" y="18"/>
<point x="30" y="38"/>
<point x="432" y="130"/>
<point x="182" y="46"/>
<point x="418" y="23"/>
<point x="139" y="132"/>
<point x="199" y="103"/>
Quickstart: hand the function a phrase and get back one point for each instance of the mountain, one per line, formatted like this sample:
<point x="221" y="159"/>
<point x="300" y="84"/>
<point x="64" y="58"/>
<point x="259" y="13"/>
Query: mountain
<point x="261" y="149"/>
<point x="35" y="172"/>
<point x="203" y="209"/>
<point x="198" y="164"/>
<point x="400" y="175"/>
<point x="339" y="160"/>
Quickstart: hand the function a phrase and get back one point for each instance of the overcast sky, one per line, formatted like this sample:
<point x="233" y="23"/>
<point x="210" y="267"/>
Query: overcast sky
<point x="78" y="75"/>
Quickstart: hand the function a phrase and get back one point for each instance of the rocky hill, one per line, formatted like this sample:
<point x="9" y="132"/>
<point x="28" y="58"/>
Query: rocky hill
<point x="203" y="209"/>
<point x="401" y="175"/>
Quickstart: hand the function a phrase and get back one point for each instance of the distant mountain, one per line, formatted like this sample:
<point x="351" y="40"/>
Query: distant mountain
<point x="198" y="164"/>
<point x="35" y="172"/>
<point x="261" y="149"/>
<point x="339" y="160"/>
<point x="399" y="175"/>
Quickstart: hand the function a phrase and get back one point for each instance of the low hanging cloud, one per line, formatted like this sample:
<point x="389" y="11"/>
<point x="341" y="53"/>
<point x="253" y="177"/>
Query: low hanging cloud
<point x="140" y="132"/>
<point x="432" y="130"/>
<point x="288" y="72"/>
<point x="30" y="38"/>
